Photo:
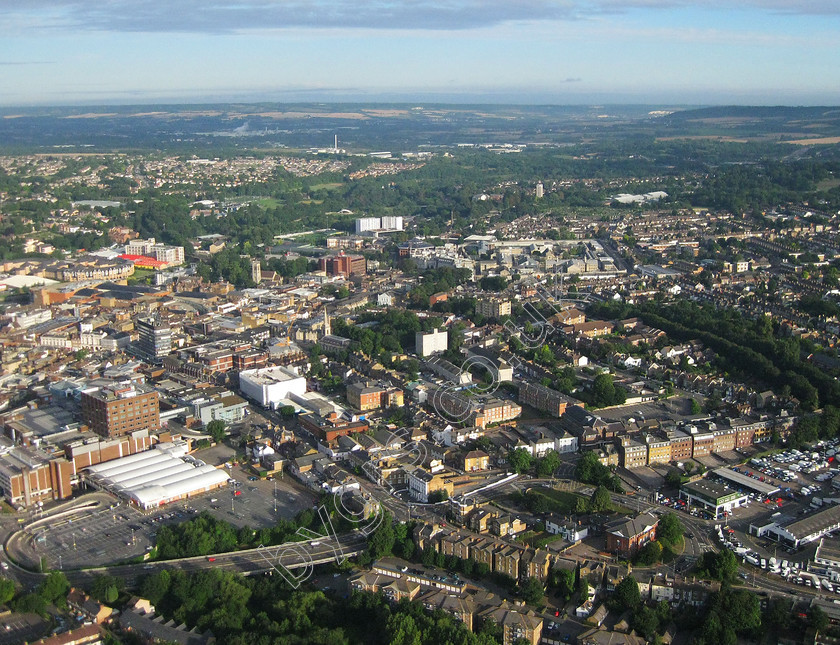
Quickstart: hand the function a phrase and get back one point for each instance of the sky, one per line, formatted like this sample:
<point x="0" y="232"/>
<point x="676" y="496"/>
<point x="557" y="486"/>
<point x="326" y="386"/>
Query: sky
<point x="681" y="52"/>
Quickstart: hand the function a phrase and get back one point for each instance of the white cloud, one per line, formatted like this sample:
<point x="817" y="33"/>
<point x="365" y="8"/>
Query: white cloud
<point x="225" y="16"/>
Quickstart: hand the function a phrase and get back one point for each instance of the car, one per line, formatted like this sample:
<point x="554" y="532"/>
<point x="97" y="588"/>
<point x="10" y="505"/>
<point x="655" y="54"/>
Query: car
<point x="252" y="479"/>
<point x="5" y="566"/>
<point x="690" y="536"/>
<point x="237" y="493"/>
<point x="211" y="559"/>
<point x="315" y="543"/>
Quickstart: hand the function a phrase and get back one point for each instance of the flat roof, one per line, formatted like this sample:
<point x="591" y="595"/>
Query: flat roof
<point x="746" y="481"/>
<point x="711" y="491"/>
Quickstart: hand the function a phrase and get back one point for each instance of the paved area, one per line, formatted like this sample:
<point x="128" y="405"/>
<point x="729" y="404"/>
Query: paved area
<point x="117" y="532"/>
<point x="22" y="628"/>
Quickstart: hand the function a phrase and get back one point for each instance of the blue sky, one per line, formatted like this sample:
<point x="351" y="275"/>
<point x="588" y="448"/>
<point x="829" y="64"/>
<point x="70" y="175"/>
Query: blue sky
<point x="548" y="51"/>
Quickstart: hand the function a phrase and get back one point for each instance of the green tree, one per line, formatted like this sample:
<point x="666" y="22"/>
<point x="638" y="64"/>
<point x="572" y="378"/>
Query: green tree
<point x="216" y="429"/>
<point x="582" y="588"/>
<point x="520" y="460"/>
<point x="818" y="619"/>
<point x="695" y="407"/>
<point x="381" y="542"/>
<point x="670" y="529"/>
<point x="627" y="593"/>
<point x="600" y="500"/>
<point x="54" y="588"/>
<point x="7" y="590"/>
<point x="649" y="554"/>
<point x="532" y="591"/>
<point x="548" y="464"/>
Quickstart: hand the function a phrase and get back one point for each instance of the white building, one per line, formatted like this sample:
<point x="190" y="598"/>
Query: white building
<point x="387" y="223"/>
<point x="433" y="342"/>
<point x="268" y="386"/>
<point x="364" y="224"/>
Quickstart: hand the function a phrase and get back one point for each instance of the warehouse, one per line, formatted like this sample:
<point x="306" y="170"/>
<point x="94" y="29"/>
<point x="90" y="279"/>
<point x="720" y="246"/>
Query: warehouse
<point x="740" y="481"/>
<point x="164" y="474"/>
<point x="794" y="532"/>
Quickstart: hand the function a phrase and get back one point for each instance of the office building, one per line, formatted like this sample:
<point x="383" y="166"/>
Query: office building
<point x="155" y="340"/>
<point x="120" y="409"/>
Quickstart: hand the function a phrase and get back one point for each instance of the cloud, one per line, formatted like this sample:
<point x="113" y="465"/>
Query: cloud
<point x="227" y="16"/>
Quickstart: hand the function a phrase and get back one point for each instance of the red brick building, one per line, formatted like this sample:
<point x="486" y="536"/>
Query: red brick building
<point x="345" y="265"/>
<point x="626" y="536"/>
<point x="120" y="409"/>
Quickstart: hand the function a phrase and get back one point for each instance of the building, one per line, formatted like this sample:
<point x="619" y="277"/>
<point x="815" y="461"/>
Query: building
<point x="516" y="623"/>
<point x="573" y="532"/>
<point x="120" y="409"/>
<point x="682" y="446"/>
<point x="156" y="477"/>
<point x="364" y="396"/>
<point x="744" y="482"/>
<point x="386" y="223"/>
<point x="155" y="337"/>
<point x="476" y="460"/>
<point x="545" y="399"/>
<point x="432" y="342"/>
<point x="716" y="498"/>
<point x="633" y="454"/>
<point x="704" y="444"/>
<point x="493" y="307"/>
<point x="28" y="476"/>
<point x="422" y="483"/>
<point x="343" y="265"/>
<point x="493" y="411"/>
<point x="268" y="386"/>
<point x="659" y="450"/>
<point x="626" y="536"/>
<point x="794" y="532"/>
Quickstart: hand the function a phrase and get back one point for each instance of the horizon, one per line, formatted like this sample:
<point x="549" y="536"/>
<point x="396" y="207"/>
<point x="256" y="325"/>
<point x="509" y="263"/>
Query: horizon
<point x="545" y="52"/>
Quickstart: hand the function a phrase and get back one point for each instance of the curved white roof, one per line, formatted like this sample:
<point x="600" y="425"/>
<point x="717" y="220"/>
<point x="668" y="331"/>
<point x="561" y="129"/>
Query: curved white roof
<point x="141" y="479"/>
<point x="157" y="494"/>
<point x="157" y="476"/>
<point x="126" y="471"/>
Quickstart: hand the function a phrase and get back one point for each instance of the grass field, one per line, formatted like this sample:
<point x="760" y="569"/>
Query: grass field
<point x="327" y="186"/>
<point x="141" y="276"/>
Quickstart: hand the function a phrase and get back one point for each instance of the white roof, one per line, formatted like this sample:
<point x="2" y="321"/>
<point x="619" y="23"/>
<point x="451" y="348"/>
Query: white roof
<point x="158" y="476"/>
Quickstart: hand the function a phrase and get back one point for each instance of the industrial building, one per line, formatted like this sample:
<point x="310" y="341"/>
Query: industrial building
<point x="268" y="386"/>
<point x="156" y="477"/>
<point x="794" y="532"/>
<point x="740" y="481"/>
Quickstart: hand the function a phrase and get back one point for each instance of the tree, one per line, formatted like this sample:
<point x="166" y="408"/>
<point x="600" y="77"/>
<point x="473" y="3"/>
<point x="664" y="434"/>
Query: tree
<point x="532" y="591"/>
<point x="600" y="500"/>
<point x="548" y="465"/>
<point x="382" y="540"/>
<point x="649" y="554"/>
<point x="818" y="619"/>
<point x="695" y="407"/>
<point x="582" y="588"/>
<point x="54" y="588"/>
<point x="106" y="588"/>
<point x="7" y="590"/>
<point x="216" y="429"/>
<point x="670" y="529"/>
<point x="520" y="460"/>
<point x="627" y="593"/>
